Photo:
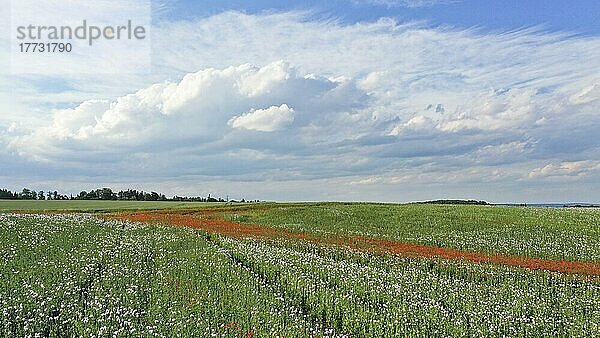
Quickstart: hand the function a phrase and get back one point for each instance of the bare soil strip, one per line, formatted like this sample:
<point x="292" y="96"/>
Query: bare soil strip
<point x="223" y="227"/>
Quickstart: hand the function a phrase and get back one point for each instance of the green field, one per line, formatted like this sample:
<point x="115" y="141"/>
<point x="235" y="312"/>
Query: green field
<point x="562" y="233"/>
<point x="88" y="206"/>
<point x="87" y="275"/>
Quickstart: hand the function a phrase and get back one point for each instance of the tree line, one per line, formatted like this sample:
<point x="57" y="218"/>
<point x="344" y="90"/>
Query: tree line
<point x="107" y="194"/>
<point x="470" y="202"/>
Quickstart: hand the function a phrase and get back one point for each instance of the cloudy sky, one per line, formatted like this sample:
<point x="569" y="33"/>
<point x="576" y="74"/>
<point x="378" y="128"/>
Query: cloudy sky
<point x="373" y="100"/>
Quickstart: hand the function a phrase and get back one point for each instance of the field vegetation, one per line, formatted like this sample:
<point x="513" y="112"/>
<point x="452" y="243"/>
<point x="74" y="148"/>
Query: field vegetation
<point x="301" y="270"/>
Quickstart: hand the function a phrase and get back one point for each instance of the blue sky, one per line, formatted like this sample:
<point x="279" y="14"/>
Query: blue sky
<point x="580" y="17"/>
<point x="366" y="100"/>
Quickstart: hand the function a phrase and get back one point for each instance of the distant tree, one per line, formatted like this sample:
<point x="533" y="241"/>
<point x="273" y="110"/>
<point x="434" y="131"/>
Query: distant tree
<point x="472" y="202"/>
<point x="26" y="194"/>
<point x="7" y="194"/>
<point x="106" y="194"/>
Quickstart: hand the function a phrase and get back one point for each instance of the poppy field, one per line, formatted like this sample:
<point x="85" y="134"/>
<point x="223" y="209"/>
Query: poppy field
<point x="302" y="270"/>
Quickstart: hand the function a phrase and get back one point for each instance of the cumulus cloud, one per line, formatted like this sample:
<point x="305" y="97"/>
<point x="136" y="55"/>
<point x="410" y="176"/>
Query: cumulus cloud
<point x="199" y="108"/>
<point x="419" y="123"/>
<point x="269" y="119"/>
<point x="490" y="111"/>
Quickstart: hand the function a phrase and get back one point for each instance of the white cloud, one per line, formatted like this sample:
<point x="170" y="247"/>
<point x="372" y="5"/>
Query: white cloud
<point x="367" y="181"/>
<point x="405" y="3"/>
<point x="269" y="119"/>
<point x="198" y="108"/>
<point x="503" y="153"/>
<point x="586" y="95"/>
<point x="492" y="112"/>
<point x="72" y="122"/>
<point x="416" y="124"/>
<point x="489" y="111"/>
<point x="566" y="169"/>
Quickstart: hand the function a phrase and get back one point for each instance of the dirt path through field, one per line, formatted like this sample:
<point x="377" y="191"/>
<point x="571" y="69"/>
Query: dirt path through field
<point x="206" y="222"/>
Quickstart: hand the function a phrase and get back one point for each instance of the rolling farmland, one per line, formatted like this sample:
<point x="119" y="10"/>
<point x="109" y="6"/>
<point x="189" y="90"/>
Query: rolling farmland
<point x="302" y="270"/>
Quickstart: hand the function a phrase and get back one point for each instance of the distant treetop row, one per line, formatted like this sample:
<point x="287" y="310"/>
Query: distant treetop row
<point x="107" y="194"/>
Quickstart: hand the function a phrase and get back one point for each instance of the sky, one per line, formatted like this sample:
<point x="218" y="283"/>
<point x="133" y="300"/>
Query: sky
<point x="354" y="100"/>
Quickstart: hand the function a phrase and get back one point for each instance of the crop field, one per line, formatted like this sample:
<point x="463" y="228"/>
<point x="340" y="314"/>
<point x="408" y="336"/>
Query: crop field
<point x="302" y="270"/>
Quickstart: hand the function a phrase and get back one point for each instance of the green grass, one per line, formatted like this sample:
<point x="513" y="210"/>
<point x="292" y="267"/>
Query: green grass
<point x="18" y="205"/>
<point x="81" y="275"/>
<point x="78" y="275"/>
<point x="561" y="233"/>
